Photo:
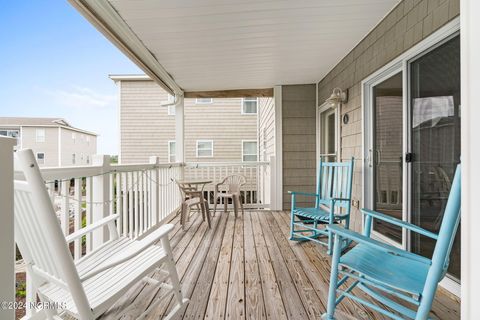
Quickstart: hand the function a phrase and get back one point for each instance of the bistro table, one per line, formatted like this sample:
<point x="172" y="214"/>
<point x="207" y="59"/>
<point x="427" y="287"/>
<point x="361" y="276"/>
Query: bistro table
<point x="192" y="193"/>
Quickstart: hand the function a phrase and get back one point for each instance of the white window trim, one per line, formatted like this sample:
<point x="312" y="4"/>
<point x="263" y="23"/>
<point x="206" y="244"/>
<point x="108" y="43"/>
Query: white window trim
<point x="196" y="147"/>
<point x="248" y="113"/>
<point x="200" y="102"/>
<point x="44" y="135"/>
<point x="44" y="157"/>
<point x="168" y="152"/>
<point x="243" y="141"/>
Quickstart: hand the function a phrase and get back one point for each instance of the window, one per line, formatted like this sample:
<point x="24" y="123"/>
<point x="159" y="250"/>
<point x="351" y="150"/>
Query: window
<point x="40" y="135"/>
<point x="40" y="157"/>
<point x="204" y="148"/>
<point x="249" y="150"/>
<point x="203" y="101"/>
<point x="172" y="151"/>
<point x="249" y="105"/>
<point x="74" y="137"/>
<point x="88" y="159"/>
<point x="10" y="133"/>
<point x="73" y="158"/>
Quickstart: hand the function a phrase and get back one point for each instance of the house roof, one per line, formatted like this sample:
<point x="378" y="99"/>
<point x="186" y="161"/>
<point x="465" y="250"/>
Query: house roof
<point x="212" y="45"/>
<point x="39" y="122"/>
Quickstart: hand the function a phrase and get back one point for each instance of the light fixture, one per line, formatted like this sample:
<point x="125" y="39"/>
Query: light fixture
<point x="338" y="96"/>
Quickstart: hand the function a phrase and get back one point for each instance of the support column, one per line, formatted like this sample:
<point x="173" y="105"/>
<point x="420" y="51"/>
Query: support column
<point x="7" y="242"/>
<point x="470" y="113"/>
<point x="278" y="172"/>
<point x="180" y="129"/>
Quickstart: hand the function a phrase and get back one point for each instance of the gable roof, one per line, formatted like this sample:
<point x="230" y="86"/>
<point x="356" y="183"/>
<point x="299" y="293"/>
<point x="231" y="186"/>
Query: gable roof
<point x="39" y="122"/>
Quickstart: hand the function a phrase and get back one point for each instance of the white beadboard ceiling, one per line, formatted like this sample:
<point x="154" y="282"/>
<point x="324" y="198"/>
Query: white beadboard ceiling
<point x="247" y="44"/>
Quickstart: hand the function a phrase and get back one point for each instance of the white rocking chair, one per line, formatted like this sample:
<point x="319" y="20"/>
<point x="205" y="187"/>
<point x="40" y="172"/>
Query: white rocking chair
<point x="86" y="288"/>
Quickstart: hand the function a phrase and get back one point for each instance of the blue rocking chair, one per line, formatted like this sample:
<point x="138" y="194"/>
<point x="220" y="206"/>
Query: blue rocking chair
<point x="332" y="204"/>
<point x="379" y="269"/>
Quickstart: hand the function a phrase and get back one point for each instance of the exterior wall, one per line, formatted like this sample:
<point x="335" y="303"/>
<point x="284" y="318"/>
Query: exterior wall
<point x="146" y="127"/>
<point x="266" y="128"/>
<point x="74" y="142"/>
<point x="298" y="141"/>
<point x="266" y="144"/>
<point x="407" y="24"/>
<point x="49" y="147"/>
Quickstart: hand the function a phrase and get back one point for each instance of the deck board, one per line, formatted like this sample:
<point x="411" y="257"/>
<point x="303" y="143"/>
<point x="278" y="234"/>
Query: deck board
<point x="246" y="268"/>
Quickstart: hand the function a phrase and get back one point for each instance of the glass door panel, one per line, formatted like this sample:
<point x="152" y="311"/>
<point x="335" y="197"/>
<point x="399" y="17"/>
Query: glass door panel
<point x="387" y="154"/>
<point x="435" y="141"/>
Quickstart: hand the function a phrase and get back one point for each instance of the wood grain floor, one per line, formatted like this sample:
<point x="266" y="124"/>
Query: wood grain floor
<point x="246" y="268"/>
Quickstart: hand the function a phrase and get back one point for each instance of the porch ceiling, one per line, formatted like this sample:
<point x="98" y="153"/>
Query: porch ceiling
<point x="237" y="44"/>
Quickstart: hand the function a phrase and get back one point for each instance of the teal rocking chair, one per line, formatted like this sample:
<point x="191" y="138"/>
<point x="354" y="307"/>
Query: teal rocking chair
<point x="380" y="269"/>
<point x="332" y="204"/>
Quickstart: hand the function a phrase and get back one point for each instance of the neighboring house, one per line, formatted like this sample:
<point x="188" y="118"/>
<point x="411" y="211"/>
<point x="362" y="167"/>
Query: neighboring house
<point x="53" y="140"/>
<point x="216" y="130"/>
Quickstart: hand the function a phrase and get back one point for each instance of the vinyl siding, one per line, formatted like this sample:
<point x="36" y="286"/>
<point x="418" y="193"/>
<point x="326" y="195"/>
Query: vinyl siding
<point x="298" y="141"/>
<point x="266" y="143"/>
<point x="78" y="146"/>
<point x="49" y="147"/>
<point x="146" y="127"/>
<point x="406" y="25"/>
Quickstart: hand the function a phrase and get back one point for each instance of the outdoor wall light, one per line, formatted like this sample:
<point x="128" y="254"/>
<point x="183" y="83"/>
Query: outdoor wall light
<point x="338" y="96"/>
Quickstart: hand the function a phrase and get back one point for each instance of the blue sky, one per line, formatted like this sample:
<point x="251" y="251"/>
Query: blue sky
<point x="55" y="64"/>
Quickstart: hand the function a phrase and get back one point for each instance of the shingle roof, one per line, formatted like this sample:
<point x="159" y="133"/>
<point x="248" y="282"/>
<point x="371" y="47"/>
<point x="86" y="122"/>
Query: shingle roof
<point x="41" y="122"/>
<point x="23" y="121"/>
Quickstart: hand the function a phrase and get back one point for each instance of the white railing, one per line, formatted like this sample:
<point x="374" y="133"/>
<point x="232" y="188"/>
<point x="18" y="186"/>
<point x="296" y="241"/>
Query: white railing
<point x="257" y="175"/>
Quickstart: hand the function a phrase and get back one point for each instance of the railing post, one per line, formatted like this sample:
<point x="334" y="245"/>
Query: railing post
<point x="100" y="198"/>
<point x="7" y="242"/>
<point x="273" y="184"/>
<point x="155" y="190"/>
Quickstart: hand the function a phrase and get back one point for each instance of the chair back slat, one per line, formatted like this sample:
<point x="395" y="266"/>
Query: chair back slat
<point x="35" y="248"/>
<point x="38" y="233"/>
<point x="334" y="180"/>
<point x="448" y="228"/>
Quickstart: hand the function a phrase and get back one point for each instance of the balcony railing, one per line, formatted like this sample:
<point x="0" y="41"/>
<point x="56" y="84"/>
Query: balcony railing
<point x="143" y="195"/>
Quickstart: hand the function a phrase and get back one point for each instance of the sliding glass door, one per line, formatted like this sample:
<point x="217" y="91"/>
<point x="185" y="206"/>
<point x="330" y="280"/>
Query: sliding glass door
<point x="412" y="139"/>
<point x="435" y="141"/>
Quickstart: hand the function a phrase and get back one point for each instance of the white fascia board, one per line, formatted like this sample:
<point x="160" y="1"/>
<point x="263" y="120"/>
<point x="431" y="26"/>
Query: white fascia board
<point x="107" y="20"/>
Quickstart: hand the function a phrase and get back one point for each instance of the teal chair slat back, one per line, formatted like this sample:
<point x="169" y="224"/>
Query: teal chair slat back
<point x="448" y="228"/>
<point x="334" y="180"/>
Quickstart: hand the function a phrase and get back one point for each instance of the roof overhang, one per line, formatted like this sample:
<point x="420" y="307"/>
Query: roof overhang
<point x="212" y="45"/>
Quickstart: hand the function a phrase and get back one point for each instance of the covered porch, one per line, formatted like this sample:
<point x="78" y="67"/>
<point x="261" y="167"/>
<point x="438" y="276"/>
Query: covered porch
<point x="247" y="267"/>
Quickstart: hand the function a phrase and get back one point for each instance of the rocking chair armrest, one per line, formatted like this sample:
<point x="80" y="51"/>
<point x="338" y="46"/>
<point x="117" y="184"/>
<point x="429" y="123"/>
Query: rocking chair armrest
<point x="359" y="238"/>
<point x="308" y="194"/>
<point x="132" y="251"/>
<point x="91" y="227"/>
<point x="400" y="223"/>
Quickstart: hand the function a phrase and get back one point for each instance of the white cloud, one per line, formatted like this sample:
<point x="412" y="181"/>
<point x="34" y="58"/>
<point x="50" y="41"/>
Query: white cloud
<point x="80" y="97"/>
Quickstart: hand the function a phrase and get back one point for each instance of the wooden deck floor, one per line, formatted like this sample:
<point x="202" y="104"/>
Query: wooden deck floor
<point x="246" y="268"/>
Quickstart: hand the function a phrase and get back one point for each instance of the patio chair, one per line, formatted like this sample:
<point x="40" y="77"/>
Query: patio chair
<point x="332" y="204"/>
<point x="88" y="287"/>
<point x="380" y="269"/>
<point x="232" y="185"/>
<point x="192" y="197"/>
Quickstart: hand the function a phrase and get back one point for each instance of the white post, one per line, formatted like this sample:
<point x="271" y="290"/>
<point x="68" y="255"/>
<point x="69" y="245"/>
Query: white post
<point x="100" y="198"/>
<point x="180" y="129"/>
<point x="272" y="184"/>
<point x="155" y="189"/>
<point x="7" y="242"/>
<point x="470" y="113"/>
<point x="278" y="173"/>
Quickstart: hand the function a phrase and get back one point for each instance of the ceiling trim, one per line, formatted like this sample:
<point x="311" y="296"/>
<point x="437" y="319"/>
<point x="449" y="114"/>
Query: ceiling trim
<point x="106" y="19"/>
<point x="240" y="93"/>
